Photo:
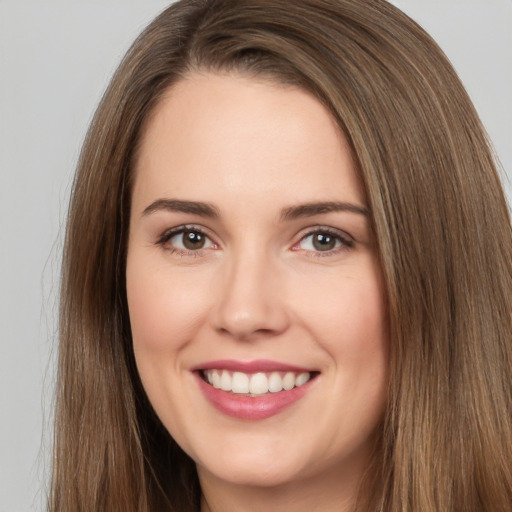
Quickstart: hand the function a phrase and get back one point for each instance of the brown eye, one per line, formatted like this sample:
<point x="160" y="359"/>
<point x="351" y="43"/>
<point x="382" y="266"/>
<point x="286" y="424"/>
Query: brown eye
<point x="193" y="240"/>
<point x="186" y="240"/>
<point x="324" y="241"/>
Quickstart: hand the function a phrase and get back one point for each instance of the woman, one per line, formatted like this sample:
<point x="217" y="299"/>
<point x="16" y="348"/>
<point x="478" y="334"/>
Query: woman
<point x="292" y="286"/>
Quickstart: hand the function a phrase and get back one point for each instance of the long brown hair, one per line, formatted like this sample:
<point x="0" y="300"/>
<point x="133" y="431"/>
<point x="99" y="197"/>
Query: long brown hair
<point x="441" y="224"/>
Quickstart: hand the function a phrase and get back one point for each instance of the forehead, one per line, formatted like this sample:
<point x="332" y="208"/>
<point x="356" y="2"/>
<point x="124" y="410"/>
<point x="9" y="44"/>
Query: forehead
<point x="213" y="133"/>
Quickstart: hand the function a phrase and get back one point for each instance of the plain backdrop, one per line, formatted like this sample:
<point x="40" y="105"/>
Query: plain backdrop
<point x="56" y="58"/>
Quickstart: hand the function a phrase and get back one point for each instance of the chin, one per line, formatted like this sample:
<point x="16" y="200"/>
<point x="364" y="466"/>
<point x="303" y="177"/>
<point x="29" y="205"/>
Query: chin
<point x="251" y="474"/>
<point x="255" y="467"/>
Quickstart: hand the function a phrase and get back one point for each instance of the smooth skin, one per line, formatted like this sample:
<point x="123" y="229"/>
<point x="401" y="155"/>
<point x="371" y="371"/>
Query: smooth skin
<point x="225" y="262"/>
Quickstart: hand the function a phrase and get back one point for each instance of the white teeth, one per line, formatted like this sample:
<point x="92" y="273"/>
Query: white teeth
<point x="289" y="381"/>
<point x="301" y="379"/>
<point x="275" y="382"/>
<point x="215" y="379"/>
<point x="226" y="382"/>
<point x="240" y="383"/>
<point x="258" y="385"/>
<point x="255" y="383"/>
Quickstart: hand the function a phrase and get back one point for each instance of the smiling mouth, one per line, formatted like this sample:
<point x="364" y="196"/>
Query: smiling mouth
<point x="255" y="384"/>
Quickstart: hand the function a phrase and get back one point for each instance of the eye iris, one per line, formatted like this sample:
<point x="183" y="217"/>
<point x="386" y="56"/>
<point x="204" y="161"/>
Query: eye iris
<point x="193" y="240"/>
<point x="323" y="242"/>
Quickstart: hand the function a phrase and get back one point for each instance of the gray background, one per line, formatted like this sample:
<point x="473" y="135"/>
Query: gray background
<point x="55" y="61"/>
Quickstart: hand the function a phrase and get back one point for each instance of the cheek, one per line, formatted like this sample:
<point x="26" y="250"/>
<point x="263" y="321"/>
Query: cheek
<point x="350" y="323"/>
<point x="350" y="313"/>
<point x="164" y="311"/>
<point x="362" y="322"/>
<point x="358" y="344"/>
<point x="363" y="328"/>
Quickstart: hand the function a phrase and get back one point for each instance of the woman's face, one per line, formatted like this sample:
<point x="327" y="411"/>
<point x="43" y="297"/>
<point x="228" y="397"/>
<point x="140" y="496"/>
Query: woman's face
<point x="255" y="295"/>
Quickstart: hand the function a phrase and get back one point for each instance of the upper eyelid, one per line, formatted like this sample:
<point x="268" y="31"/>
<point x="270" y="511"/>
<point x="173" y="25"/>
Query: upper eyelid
<point x="324" y="229"/>
<point x="347" y="241"/>
<point x="167" y="234"/>
<point x="186" y="227"/>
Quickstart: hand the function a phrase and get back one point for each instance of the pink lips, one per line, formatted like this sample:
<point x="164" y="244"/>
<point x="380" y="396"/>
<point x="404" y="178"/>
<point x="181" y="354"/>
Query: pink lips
<point x="261" y="365"/>
<point x="247" y="407"/>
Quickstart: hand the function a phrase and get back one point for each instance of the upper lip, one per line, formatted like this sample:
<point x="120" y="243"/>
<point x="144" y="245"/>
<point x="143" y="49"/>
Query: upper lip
<point x="257" y="365"/>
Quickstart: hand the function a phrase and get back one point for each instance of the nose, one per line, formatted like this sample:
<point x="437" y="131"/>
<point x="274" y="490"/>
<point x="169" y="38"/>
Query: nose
<point x="251" y="300"/>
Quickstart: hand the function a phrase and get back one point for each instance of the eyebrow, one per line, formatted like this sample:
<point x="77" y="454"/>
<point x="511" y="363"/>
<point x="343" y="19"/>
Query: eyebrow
<point x="177" y="205"/>
<point x="311" y="209"/>
<point x="290" y="213"/>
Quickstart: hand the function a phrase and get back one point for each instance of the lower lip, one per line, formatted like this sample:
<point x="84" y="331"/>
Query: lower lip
<point x="252" y="407"/>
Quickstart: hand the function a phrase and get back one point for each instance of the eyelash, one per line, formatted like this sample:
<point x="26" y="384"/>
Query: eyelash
<point x="344" y="241"/>
<point x="171" y="233"/>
